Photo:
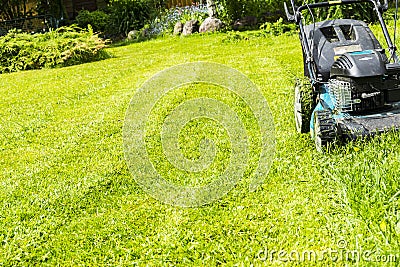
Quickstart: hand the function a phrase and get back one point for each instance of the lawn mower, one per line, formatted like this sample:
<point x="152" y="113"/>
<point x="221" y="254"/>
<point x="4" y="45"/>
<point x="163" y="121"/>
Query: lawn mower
<point x="352" y="85"/>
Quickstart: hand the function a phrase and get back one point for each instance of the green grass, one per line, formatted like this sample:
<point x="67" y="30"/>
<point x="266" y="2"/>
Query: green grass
<point x="68" y="198"/>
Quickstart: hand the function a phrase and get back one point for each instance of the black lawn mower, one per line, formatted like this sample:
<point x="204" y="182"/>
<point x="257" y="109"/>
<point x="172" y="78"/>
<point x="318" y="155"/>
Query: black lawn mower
<point x="352" y="85"/>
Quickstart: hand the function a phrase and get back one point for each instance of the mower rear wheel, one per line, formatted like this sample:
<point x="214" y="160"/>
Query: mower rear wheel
<point x="325" y="130"/>
<point x="303" y="105"/>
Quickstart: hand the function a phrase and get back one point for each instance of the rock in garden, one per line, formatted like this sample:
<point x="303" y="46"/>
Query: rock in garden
<point x="178" y="28"/>
<point x="132" y="35"/>
<point x="211" y="25"/>
<point x="190" y="27"/>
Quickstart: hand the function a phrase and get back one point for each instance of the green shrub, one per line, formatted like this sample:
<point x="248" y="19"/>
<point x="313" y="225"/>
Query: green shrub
<point x="230" y="10"/>
<point x="127" y="15"/>
<point x="278" y="28"/>
<point x="62" y="47"/>
<point x="198" y="13"/>
<point x="266" y="30"/>
<point x="121" y="16"/>
<point x="359" y="11"/>
<point x="98" y="19"/>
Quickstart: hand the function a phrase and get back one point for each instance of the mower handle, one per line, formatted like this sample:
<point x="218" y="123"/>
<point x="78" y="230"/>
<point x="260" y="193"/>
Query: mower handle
<point x="385" y="6"/>
<point x="297" y="18"/>
<point x="289" y="16"/>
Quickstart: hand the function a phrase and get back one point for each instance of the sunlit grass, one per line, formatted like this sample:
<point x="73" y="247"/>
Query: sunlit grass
<point x="67" y="197"/>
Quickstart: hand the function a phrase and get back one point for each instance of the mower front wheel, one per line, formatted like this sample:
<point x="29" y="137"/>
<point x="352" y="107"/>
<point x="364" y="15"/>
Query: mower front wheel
<point x="325" y="130"/>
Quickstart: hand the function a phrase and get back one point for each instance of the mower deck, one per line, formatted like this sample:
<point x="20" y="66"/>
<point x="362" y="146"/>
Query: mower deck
<point x="368" y="125"/>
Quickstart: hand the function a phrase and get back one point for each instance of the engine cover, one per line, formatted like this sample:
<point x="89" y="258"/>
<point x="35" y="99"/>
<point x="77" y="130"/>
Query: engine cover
<point x="349" y="95"/>
<point x="368" y="63"/>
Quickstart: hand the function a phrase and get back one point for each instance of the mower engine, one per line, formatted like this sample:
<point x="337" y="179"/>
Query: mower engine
<point x="362" y="82"/>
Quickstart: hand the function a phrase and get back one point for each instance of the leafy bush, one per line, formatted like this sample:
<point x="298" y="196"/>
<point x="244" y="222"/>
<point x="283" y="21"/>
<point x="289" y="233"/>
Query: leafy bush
<point x="62" y="47"/>
<point x="194" y="12"/>
<point x="121" y="16"/>
<point x="278" y="28"/>
<point x="266" y="30"/>
<point x="230" y="10"/>
<point x="98" y="19"/>
<point x="127" y="15"/>
<point x="360" y="11"/>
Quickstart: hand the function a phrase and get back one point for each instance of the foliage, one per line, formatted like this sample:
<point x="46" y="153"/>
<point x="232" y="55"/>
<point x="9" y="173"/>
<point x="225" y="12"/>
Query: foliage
<point x="236" y="36"/>
<point x="278" y="27"/>
<point x="122" y="16"/>
<point x="193" y="12"/>
<point x="165" y="22"/>
<point x="230" y="10"/>
<point x="266" y="30"/>
<point x="54" y="8"/>
<point x="360" y="11"/>
<point x="98" y="19"/>
<point x="61" y="47"/>
<point x="127" y="15"/>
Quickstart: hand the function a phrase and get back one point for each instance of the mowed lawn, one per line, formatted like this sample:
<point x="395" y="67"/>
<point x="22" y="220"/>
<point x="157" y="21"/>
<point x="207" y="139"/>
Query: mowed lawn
<point x="68" y="198"/>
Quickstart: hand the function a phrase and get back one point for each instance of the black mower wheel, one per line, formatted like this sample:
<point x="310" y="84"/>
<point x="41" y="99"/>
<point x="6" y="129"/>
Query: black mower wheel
<point x="325" y="130"/>
<point x="303" y="105"/>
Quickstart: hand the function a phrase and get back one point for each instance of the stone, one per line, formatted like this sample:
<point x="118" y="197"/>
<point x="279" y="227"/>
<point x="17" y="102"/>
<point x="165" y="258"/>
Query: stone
<point x="211" y="25"/>
<point x="132" y="35"/>
<point x="178" y="28"/>
<point x="190" y="27"/>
